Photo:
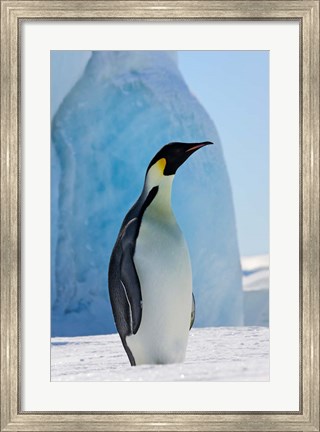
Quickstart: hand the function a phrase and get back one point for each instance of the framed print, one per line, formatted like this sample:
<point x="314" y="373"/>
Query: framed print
<point x="88" y="312"/>
<point x="91" y="95"/>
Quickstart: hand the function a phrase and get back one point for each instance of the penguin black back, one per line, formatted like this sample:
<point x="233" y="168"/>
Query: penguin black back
<point x="124" y="284"/>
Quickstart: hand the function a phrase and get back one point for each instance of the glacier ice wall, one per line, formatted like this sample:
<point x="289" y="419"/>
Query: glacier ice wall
<point x="125" y="107"/>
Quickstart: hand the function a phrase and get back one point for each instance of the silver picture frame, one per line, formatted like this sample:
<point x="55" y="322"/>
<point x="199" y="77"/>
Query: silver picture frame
<point x="13" y="13"/>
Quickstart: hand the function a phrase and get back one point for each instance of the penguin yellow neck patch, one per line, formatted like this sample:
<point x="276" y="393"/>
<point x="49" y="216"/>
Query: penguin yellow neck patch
<point x="161" y="164"/>
<point x="155" y="174"/>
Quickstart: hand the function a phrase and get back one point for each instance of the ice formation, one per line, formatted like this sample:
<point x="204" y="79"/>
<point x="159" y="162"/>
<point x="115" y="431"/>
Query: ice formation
<point x="125" y="107"/>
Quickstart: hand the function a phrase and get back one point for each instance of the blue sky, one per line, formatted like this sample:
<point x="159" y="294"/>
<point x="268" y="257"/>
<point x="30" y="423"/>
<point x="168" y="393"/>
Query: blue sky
<point x="233" y="87"/>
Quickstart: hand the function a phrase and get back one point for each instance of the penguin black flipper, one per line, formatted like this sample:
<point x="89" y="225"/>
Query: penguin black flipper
<point x="193" y="312"/>
<point x="128" y="276"/>
<point x="124" y="284"/>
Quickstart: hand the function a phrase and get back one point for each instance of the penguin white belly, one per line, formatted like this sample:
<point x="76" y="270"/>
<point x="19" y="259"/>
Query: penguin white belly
<point x="163" y="266"/>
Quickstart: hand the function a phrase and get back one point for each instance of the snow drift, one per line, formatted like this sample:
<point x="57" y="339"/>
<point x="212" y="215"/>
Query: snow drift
<point x="255" y="281"/>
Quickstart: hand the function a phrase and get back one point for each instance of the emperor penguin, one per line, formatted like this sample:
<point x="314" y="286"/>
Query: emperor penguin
<point x="150" y="277"/>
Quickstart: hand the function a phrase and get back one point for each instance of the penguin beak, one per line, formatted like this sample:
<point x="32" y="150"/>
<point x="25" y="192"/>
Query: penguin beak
<point x="195" y="147"/>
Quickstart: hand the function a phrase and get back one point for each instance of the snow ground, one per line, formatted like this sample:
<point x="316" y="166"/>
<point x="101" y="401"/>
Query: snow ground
<point x="213" y="354"/>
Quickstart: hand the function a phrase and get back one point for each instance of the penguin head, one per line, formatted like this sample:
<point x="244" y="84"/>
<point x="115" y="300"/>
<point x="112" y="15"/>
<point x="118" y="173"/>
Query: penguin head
<point x="171" y="157"/>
